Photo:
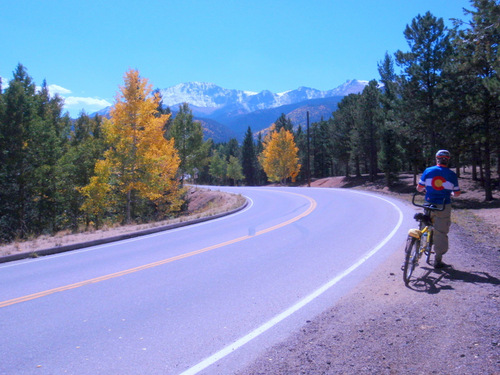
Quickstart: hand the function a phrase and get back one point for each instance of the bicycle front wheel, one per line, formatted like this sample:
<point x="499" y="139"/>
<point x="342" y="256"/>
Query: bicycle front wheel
<point x="411" y="252"/>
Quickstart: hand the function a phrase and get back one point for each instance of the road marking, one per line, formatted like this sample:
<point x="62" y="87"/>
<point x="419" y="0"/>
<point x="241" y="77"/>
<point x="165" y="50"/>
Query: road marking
<point x="285" y="314"/>
<point x="311" y="208"/>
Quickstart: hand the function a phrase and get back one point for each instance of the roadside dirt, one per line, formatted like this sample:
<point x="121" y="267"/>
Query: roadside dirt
<point x="201" y="203"/>
<point x="447" y="322"/>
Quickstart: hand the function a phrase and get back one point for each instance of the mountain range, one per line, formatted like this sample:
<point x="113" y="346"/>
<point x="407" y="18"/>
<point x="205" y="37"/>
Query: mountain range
<point x="226" y="113"/>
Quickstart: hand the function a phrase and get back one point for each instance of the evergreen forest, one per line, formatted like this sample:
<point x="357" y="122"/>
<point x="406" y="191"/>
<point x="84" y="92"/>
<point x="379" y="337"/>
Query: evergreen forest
<point x="58" y="173"/>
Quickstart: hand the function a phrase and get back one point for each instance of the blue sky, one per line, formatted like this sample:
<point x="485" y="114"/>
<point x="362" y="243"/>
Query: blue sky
<point x="84" y="48"/>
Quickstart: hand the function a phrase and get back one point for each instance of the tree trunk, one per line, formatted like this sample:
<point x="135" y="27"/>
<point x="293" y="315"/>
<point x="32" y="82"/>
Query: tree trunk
<point x="358" y="167"/>
<point x="474" y="166"/>
<point x="488" y="194"/>
<point x="481" y="174"/>
<point x="128" y="208"/>
<point x="415" y="173"/>
<point x="498" y="163"/>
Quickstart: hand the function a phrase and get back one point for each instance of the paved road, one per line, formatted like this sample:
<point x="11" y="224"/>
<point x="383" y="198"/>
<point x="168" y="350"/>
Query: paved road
<point x="206" y="298"/>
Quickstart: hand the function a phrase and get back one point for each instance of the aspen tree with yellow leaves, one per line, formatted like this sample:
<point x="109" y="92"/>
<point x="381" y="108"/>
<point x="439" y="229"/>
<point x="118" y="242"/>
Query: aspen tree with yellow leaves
<point x="140" y="165"/>
<point x="280" y="158"/>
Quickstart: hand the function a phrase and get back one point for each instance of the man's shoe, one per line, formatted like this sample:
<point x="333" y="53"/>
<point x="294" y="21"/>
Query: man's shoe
<point x="439" y="265"/>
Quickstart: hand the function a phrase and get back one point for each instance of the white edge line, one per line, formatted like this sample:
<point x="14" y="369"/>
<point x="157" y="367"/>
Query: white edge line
<point x="285" y="314"/>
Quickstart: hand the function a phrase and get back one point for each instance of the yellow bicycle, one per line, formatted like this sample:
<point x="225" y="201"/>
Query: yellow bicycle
<point x="419" y="241"/>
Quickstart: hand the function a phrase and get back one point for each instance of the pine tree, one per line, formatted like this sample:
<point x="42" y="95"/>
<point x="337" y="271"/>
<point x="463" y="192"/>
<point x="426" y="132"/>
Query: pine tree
<point x="50" y="135"/>
<point x="188" y="138"/>
<point x="322" y="147"/>
<point x="283" y="123"/>
<point x="33" y="137"/>
<point x="341" y="128"/>
<point x="249" y="159"/>
<point x="232" y="149"/>
<point x="301" y="141"/>
<point x="365" y="136"/>
<point x="430" y="48"/>
<point x="388" y="79"/>
<point x="477" y="59"/>
<point x="76" y="167"/>
<point x="389" y="158"/>
<point x="17" y="159"/>
<point x="259" y="149"/>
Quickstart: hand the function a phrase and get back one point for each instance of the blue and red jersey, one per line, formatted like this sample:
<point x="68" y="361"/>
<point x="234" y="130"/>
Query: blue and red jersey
<point x="439" y="182"/>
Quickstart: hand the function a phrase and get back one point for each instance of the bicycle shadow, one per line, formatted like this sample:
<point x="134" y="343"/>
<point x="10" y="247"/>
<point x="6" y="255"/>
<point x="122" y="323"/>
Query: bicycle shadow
<point x="433" y="281"/>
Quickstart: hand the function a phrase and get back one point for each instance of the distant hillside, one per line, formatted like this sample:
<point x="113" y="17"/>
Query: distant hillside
<point x="262" y="119"/>
<point x="218" y="132"/>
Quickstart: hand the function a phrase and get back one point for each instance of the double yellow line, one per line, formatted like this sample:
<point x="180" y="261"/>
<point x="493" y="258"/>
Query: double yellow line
<point x="29" y="297"/>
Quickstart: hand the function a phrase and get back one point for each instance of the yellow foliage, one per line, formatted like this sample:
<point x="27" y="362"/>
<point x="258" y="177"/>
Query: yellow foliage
<point x="280" y="156"/>
<point x="96" y="192"/>
<point x="139" y="158"/>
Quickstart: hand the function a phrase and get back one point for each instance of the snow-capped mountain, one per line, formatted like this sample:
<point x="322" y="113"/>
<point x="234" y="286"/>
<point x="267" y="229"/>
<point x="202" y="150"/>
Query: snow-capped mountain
<point x="209" y="95"/>
<point x="201" y="94"/>
<point x="227" y="114"/>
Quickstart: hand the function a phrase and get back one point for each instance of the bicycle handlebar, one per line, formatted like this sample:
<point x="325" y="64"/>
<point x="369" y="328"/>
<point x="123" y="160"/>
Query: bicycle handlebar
<point x="429" y="206"/>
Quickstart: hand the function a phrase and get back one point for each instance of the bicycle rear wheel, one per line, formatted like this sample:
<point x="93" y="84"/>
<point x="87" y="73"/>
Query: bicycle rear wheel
<point x="411" y="252"/>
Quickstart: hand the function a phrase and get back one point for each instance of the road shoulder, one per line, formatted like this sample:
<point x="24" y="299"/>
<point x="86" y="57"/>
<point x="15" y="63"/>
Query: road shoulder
<point x="204" y="205"/>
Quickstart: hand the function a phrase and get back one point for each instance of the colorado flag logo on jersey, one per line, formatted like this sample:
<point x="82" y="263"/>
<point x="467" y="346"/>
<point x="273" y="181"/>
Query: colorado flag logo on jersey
<point x="438" y="182"/>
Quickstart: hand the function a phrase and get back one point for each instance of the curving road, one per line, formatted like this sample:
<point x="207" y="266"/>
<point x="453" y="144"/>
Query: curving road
<point x="206" y="298"/>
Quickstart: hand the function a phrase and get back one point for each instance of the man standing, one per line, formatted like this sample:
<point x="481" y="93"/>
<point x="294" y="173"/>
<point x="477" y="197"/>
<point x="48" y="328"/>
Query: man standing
<point x="439" y="183"/>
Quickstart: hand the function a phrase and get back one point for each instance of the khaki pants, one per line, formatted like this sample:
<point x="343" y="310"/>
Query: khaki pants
<point x="441" y="221"/>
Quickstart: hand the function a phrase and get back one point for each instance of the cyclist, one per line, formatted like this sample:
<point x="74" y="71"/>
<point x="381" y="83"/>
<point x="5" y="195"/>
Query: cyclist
<point x="439" y="183"/>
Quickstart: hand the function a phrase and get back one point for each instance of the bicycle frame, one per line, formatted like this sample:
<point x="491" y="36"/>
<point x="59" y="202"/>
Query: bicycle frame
<point x="419" y="240"/>
<point x="424" y="243"/>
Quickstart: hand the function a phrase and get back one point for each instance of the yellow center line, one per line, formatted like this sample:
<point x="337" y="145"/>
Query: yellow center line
<point x="312" y="207"/>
